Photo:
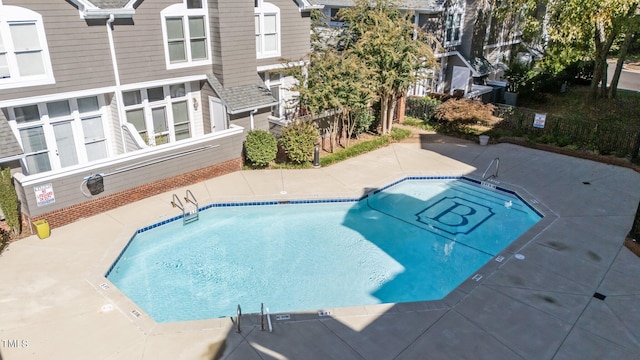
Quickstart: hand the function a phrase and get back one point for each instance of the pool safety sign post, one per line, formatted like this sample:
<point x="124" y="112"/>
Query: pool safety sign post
<point x="539" y="120"/>
<point x="44" y="194"/>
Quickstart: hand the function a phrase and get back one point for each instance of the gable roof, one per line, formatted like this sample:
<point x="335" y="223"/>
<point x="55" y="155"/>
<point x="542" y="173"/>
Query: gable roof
<point x="243" y="98"/>
<point x="103" y="9"/>
<point x="9" y="147"/>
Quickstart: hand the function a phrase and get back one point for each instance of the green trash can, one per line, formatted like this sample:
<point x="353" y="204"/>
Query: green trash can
<point x="42" y="228"/>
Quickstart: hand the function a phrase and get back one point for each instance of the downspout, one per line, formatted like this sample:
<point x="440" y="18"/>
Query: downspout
<point x="251" y="116"/>
<point x="116" y="74"/>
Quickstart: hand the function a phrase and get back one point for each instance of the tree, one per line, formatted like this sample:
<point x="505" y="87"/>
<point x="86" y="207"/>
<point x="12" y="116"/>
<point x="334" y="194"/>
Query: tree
<point x="574" y="30"/>
<point x="390" y="47"/>
<point x="334" y="83"/>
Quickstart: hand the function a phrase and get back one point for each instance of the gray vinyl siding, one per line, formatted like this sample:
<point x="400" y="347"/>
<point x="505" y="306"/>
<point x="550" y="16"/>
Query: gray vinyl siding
<point x="117" y="145"/>
<point x="79" y="53"/>
<point x="236" y="50"/>
<point x="67" y="188"/>
<point x="295" y="33"/>
<point x="140" y="47"/>
<point x="469" y="19"/>
<point x="260" y="120"/>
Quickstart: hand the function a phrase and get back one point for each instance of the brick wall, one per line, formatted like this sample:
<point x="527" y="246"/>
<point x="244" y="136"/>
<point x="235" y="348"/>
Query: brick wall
<point x="93" y="207"/>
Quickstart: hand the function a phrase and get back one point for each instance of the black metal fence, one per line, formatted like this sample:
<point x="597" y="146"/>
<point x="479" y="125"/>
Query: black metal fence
<point x="606" y="138"/>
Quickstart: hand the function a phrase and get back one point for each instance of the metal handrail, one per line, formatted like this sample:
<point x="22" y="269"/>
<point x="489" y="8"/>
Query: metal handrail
<point x="192" y="199"/>
<point x="239" y="313"/>
<point x="495" y="174"/>
<point x="177" y="204"/>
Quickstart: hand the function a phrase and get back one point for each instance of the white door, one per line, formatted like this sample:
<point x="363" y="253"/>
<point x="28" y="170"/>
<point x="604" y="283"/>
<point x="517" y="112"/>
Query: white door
<point x="66" y="145"/>
<point x="460" y="78"/>
<point x="218" y="115"/>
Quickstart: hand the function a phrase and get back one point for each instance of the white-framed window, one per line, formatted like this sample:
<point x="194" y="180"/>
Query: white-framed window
<point x="62" y="133"/>
<point x="453" y="29"/>
<point x="267" y="24"/>
<point x="24" y="54"/>
<point x="280" y="86"/>
<point x="160" y="114"/>
<point x="185" y="29"/>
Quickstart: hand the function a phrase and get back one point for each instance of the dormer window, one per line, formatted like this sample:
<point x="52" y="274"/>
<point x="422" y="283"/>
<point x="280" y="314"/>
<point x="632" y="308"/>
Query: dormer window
<point x="267" y="25"/>
<point x="24" y="55"/>
<point x="185" y="29"/>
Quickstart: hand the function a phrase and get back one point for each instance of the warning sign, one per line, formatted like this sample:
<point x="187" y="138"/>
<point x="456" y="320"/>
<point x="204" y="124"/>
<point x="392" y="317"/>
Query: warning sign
<point x="44" y="194"/>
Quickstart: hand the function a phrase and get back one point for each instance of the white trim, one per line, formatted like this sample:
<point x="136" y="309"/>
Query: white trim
<point x="501" y="44"/>
<point x="57" y="96"/>
<point x="157" y="83"/>
<point x="27" y="180"/>
<point x="280" y="66"/>
<point x="268" y="9"/>
<point x="9" y="13"/>
<point x="180" y="11"/>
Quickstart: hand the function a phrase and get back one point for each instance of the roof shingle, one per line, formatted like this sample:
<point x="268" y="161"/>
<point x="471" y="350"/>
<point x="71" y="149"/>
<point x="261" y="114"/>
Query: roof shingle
<point x="245" y="97"/>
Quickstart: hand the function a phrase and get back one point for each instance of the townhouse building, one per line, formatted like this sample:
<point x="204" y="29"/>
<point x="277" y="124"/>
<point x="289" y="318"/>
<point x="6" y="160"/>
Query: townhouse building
<point x="103" y="102"/>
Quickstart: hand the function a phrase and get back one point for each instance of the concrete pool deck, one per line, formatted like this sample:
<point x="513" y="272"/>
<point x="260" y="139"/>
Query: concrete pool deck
<point x="55" y="305"/>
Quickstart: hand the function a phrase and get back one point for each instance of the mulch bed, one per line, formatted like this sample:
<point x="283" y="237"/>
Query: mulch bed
<point x="632" y="245"/>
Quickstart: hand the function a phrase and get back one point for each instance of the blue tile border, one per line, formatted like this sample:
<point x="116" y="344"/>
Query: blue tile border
<point x="315" y="201"/>
<point x="483" y="184"/>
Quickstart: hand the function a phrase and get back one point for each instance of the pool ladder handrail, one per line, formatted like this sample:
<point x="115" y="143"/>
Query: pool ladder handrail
<point x="191" y="212"/>
<point x="238" y="315"/>
<point x="495" y="174"/>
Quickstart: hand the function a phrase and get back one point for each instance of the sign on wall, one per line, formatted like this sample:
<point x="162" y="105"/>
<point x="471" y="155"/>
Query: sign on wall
<point x="44" y="194"/>
<point x="539" y="120"/>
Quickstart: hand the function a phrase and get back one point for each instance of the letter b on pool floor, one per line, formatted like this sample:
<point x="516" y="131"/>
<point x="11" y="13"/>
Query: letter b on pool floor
<point x="454" y="215"/>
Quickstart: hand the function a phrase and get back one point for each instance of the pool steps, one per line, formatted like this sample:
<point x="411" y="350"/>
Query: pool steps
<point x="190" y="211"/>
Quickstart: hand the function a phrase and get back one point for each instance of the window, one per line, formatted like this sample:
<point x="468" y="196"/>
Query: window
<point x="24" y="55"/>
<point x="59" y="134"/>
<point x="159" y="114"/>
<point x="453" y="28"/>
<point x="267" y="24"/>
<point x="185" y="27"/>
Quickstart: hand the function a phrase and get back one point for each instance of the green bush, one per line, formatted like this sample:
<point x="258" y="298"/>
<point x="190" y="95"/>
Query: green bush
<point x="398" y="134"/>
<point x="355" y="150"/>
<point x="9" y="201"/>
<point x="298" y="141"/>
<point x="423" y="108"/>
<point x="364" y="120"/>
<point x="261" y="147"/>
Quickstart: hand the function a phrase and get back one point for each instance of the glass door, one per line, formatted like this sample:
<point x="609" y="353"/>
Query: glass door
<point x="66" y="145"/>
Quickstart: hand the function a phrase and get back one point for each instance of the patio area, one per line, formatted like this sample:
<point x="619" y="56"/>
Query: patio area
<point x="574" y="295"/>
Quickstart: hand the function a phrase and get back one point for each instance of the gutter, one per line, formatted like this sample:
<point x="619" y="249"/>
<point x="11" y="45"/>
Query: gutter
<point x="91" y="14"/>
<point x="305" y="5"/>
<point x="253" y="108"/>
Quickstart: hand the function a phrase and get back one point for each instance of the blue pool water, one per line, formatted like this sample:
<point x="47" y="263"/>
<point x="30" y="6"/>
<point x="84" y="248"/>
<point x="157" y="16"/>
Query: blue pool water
<point x="414" y="241"/>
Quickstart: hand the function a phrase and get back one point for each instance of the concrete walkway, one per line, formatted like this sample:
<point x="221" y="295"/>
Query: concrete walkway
<point x="56" y="304"/>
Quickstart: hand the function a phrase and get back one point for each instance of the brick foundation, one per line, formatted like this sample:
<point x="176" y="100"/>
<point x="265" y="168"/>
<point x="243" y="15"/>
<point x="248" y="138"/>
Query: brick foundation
<point x="93" y="207"/>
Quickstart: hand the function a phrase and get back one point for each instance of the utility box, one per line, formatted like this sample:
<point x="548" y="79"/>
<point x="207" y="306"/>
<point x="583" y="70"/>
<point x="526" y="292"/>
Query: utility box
<point x="42" y="228"/>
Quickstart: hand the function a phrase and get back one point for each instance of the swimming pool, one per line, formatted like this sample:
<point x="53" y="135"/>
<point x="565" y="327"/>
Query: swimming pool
<point x="415" y="240"/>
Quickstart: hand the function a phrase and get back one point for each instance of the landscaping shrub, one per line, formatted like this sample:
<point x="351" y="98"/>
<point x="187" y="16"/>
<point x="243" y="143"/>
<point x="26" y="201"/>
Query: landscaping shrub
<point x="260" y="147"/>
<point x="298" y="141"/>
<point x="422" y="107"/>
<point x="9" y="201"/>
<point x="364" y="121"/>
<point x="398" y="134"/>
<point x="355" y="150"/>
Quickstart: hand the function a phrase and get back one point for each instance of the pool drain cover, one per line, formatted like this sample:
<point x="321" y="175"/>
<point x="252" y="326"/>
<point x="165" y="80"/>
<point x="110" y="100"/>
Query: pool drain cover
<point x="599" y="296"/>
